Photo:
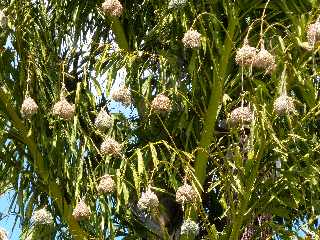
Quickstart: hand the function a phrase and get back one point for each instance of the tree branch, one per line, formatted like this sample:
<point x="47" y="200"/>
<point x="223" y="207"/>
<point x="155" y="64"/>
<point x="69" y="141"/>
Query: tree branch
<point x="118" y="31"/>
<point x="54" y="190"/>
<point x="215" y="100"/>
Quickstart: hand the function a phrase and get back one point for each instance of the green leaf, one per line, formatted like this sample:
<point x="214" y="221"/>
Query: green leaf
<point x="141" y="168"/>
<point x="125" y="193"/>
<point x="154" y="155"/>
<point x="136" y="179"/>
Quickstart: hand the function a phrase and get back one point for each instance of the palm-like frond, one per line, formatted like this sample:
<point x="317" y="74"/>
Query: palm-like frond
<point x="54" y="163"/>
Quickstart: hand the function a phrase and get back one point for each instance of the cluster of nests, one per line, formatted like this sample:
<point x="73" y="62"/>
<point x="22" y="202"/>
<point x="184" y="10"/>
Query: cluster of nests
<point x="149" y="200"/>
<point x="147" y="203"/>
<point x="161" y="104"/>
<point x="263" y="59"/>
<point x="243" y="115"/>
<point x="80" y="212"/>
<point x="248" y="56"/>
<point x="191" y="39"/>
<point x="106" y="186"/>
<point x="185" y="194"/>
<point x="115" y="9"/>
<point x="62" y="108"/>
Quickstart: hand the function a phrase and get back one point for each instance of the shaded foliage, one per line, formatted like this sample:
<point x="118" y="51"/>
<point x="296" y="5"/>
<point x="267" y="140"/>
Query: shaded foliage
<point x="55" y="163"/>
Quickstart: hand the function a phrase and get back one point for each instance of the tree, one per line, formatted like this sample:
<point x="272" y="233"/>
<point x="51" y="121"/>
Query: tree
<point x="225" y="142"/>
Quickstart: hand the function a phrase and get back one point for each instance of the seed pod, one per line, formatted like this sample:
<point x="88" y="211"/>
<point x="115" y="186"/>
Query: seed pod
<point x="246" y="55"/>
<point x="186" y="194"/>
<point x="112" y="7"/>
<point x="161" y="104"/>
<point x="190" y="228"/>
<point x="191" y="39"/>
<point x="110" y="147"/>
<point x="248" y="233"/>
<point x="64" y="109"/>
<point x="103" y="120"/>
<point x="241" y="115"/>
<point x="28" y="108"/>
<point x="284" y="105"/>
<point x="122" y="95"/>
<point x="313" y="33"/>
<point x="81" y="211"/>
<point x="148" y="201"/>
<point x="106" y="185"/>
<point x="3" y="234"/>
<point x="264" y="60"/>
<point x="177" y="3"/>
<point x="3" y="19"/>
<point x="42" y="217"/>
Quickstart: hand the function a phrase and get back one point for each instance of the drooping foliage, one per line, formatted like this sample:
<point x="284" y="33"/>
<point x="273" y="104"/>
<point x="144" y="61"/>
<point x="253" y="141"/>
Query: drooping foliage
<point x="235" y="135"/>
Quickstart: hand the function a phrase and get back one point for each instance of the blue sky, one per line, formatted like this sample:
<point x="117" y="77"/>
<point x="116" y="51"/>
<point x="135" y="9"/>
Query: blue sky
<point x="7" y="220"/>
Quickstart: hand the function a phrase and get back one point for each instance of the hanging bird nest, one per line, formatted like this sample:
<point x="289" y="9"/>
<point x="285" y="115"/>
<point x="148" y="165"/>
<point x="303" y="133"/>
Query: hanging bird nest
<point x="177" y="3"/>
<point x="313" y="33"/>
<point x="3" y="234"/>
<point x="248" y="233"/>
<point x="3" y="20"/>
<point x="122" y="95"/>
<point x="64" y="109"/>
<point x="241" y="115"/>
<point x="29" y="108"/>
<point x="81" y="211"/>
<point x="110" y="147"/>
<point x="246" y="55"/>
<point x="265" y="60"/>
<point x="113" y="8"/>
<point x="106" y="185"/>
<point x="161" y="104"/>
<point x="42" y="217"/>
<point x="189" y="228"/>
<point x="186" y="194"/>
<point x="103" y="121"/>
<point x="284" y="105"/>
<point x="148" y="201"/>
<point x="191" y="39"/>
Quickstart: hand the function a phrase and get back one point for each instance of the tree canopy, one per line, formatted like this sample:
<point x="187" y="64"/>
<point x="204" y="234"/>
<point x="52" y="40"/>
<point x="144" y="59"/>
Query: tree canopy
<point x="220" y="136"/>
